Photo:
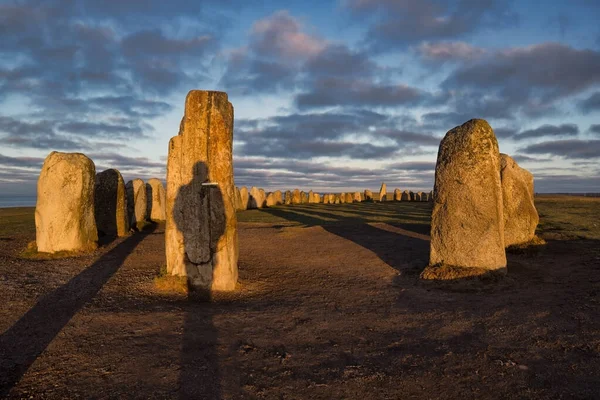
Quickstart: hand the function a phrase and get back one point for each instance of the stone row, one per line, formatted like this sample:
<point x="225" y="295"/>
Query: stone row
<point x="75" y="205"/>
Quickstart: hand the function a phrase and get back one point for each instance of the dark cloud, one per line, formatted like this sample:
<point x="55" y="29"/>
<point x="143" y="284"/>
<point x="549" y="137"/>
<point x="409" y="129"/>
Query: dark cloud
<point x="520" y="158"/>
<point x="396" y="23"/>
<point x="567" y="183"/>
<point x="595" y="129"/>
<point x="548" y="130"/>
<point x="350" y="92"/>
<point x="528" y="79"/>
<point x="103" y="129"/>
<point x="413" y="166"/>
<point x="26" y="162"/>
<point x="571" y="148"/>
<point x="591" y="104"/>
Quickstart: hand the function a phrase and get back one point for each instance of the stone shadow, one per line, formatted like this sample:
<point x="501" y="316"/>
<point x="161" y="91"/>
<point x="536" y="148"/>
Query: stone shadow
<point x="149" y="202"/>
<point x="25" y="341"/>
<point x="199" y="214"/>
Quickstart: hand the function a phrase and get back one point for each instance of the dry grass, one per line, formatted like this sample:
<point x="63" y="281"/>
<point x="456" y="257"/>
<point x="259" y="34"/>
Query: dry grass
<point x="31" y="253"/>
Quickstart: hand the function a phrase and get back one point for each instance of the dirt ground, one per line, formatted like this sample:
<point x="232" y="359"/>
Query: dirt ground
<point x="329" y="306"/>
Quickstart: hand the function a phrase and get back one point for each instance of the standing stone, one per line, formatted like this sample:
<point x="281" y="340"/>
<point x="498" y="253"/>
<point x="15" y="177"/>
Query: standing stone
<point x="311" y="197"/>
<point x="467" y="226"/>
<point x="303" y="198"/>
<point x="270" y="202"/>
<point x="288" y="198"/>
<point x="349" y="198"/>
<point x="406" y="195"/>
<point x="431" y="196"/>
<point x="263" y="196"/>
<point x="356" y="197"/>
<point x="244" y="198"/>
<point x="255" y="198"/>
<point x="296" y="197"/>
<point x="342" y="197"/>
<point x="417" y="196"/>
<point x="156" y="197"/>
<point x="368" y="195"/>
<point x="201" y="232"/>
<point x="64" y="212"/>
<point x="325" y="198"/>
<point x="520" y="215"/>
<point x="110" y="204"/>
<point x="397" y="195"/>
<point x="316" y="198"/>
<point x="238" y="199"/>
<point x="383" y="192"/>
<point x="278" y="197"/>
<point x="137" y="203"/>
<point x="423" y="196"/>
<point x="412" y="195"/>
<point x="337" y="199"/>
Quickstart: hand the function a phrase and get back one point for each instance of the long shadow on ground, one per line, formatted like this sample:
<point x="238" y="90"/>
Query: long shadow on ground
<point x="404" y="249"/>
<point x="23" y="343"/>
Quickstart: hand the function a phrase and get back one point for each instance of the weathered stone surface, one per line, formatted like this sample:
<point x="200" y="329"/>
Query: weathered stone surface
<point x="467" y="227"/>
<point x="383" y="192"/>
<point x="278" y="197"/>
<point x="325" y="198"/>
<point x="157" y="201"/>
<point x="331" y="198"/>
<point x="64" y="212"/>
<point x="244" y="198"/>
<point x="368" y="195"/>
<point x="296" y="197"/>
<point x="288" y="197"/>
<point x="397" y="195"/>
<point x="417" y="196"/>
<point x="316" y="198"/>
<point x="406" y="195"/>
<point x="311" y="197"/>
<point x="270" y="201"/>
<point x="520" y="215"/>
<point x="201" y="232"/>
<point x="412" y="195"/>
<point x="356" y="197"/>
<point x="255" y="198"/>
<point x="263" y="196"/>
<point x="424" y="196"/>
<point x="110" y="204"/>
<point x="337" y="199"/>
<point x="303" y="197"/>
<point x="137" y="202"/>
<point x="431" y="196"/>
<point x="342" y="197"/>
<point x="349" y="198"/>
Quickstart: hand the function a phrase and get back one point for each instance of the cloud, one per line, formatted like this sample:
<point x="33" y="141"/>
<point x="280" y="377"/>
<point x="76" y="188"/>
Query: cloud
<point x="396" y="23"/>
<point x="449" y="51"/>
<point x="591" y="104"/>
<point x="569" y="148"/>
<point x="595" y="129"/>
<point x="548" y="130"/>
<point x="25" y="162"/>
<point x="413" y="166"/>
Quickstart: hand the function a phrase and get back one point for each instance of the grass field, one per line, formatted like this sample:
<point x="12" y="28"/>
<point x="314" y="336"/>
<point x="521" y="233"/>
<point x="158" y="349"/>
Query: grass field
<point x="329" y="305"/>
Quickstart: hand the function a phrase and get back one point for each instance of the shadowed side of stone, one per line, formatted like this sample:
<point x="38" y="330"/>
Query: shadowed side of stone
<point x="137" y="204"/>
<point x="110" y="204"/>
<point x="156" y="200"/>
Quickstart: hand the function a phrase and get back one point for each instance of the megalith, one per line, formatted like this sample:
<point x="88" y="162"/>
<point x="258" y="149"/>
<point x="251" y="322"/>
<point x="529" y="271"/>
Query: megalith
<point x="520" y="215"/>
<point x="110" y="204"/>
<point x="288" y="198"/>
<point x="368" y="195"/>
<point x="349" y="197"/>
<point x="406" y="195"/>
<point x="467" y="222"/>
<point x="296" y="197"/>
<point x="201" y="232"/>
<point x="383" y="192"/>
<point x="278" y="198"/>
<point x="337" y="199"/>
<point x="316" y="198"/>
<point x="356" y="197"/>
<point x="64" y="212"/>
<point x="244" y="198"/>
<point x="397" y="195"/>
<point x="311" y="197"/>
<point x="137" y="203"/>
<point x="157" y="201"/>
<point x="417" y="196"/>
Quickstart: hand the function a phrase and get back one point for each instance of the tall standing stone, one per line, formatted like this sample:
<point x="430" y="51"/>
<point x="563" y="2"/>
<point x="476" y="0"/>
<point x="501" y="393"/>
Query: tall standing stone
<point x="288" y="198"/>
<point x="397" y="195"/>
<point x="270" y="201"/>
<point x="64" y="212"/>
<point x="356" y="197"/>
<point x="467" y="222"/>
<point x="256" y="198"/>
<point x="316" y="198"/>
<point x="238" y="199"/>
<point x="349" y="197"/>
<point x="383" y="192"/>
<point x="406" y="195"/>
<point x="520" y="215"/>
<point x="296" y="197"/>
<point x="110" y="204"/>
<point x="157" y="201"/>
<point x="201" y="231"/>
<point x="244" y="198"/>
<point x="368" y="195"/>
<point x="278" y="197"/>
<point x="137" y="203"/>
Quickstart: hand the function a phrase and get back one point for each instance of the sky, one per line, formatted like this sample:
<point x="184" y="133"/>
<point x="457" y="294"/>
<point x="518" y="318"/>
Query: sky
<point x="328" y="95"/>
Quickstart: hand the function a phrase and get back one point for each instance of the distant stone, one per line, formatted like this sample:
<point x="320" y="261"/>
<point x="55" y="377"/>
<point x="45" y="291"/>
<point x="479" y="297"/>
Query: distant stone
<point x="349" y="198"/>
<point x="397" y="195"/>
<point x="288" y="197"/>
<point x="156" y="197"/>
<point x="296" y="197"/>
<point x="431" y="196"/>
<point x="467" y="226"/>
<point x="311" y="197"/>
<point x="303" y="197"/>
<point x="368" y="195"/>
<point x="64" y="212"/>
<point x="278" y="197"/>
<point x="110" y="204"/>
<point x="337" y="199"/>
<point x="137" y="203"/>
<point x="331" y="198"/>
<point x="412" y="195"/>
<point x="238" y="199"/>
<point x="244" y="198"/>
<point x="356" y="197"/>
<point x="417" y="196"/>
<point x="406" y="195"/>
<point x="383" y="192"/>
<point x="316" y="198"/>
<point x="256" y="198"/>
<point x="520" y="215"/>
